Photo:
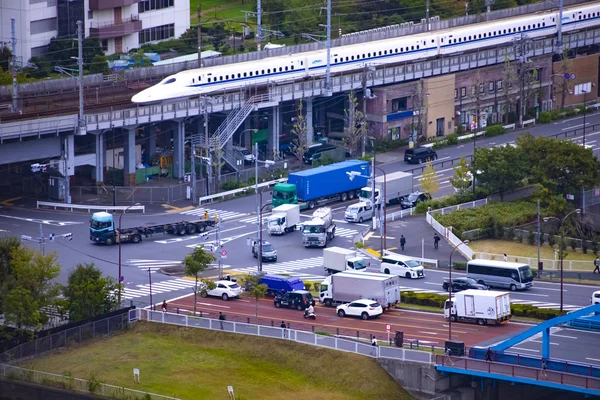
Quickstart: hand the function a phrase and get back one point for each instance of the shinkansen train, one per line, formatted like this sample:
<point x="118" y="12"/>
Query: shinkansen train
<point x="353" y="57"/>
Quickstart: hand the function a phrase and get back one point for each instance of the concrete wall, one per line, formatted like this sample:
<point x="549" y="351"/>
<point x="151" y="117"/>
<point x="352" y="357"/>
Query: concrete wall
<point x="30" y="150"/>
<point x="585" y="69"/>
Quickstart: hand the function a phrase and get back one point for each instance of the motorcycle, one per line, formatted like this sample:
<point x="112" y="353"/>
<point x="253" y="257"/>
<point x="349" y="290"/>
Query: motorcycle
<point x="310" y="315"/>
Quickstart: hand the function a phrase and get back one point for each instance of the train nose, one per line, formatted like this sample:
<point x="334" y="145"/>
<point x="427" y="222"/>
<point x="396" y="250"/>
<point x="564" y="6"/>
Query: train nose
<point x="142" y="97"/>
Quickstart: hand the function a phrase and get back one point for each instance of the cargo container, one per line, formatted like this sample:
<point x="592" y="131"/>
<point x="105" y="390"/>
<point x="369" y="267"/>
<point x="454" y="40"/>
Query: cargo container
<point x="338" y="259"/>
<point x="478" y="306"/>
<point x="398" y="185"/>
<point x="348" y="286"/>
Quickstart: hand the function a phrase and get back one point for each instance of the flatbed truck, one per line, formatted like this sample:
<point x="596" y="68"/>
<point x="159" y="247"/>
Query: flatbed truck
<point x="103" y="230"/>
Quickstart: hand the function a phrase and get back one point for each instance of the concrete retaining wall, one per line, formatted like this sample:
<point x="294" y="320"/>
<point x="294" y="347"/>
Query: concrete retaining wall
<point x="15" y="390"/>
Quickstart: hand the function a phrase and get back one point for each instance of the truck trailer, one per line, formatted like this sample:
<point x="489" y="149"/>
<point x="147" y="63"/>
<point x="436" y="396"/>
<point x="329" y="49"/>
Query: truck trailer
<point x="321" y="185"/>
<point x="397" y="186"/>
<point x="338" y="259"/>
<point x="478" y="306"/>
<point x="320" y="230"/>
<point x="283" y="219"/>
<point x="348" y="286"/>
<point x="103" y="230"/>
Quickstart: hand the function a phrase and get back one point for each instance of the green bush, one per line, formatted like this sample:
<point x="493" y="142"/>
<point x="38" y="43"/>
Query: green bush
<point x="494" y="130"/>
<point x="573" y="244"/>
<point x="231" y="185"/>
<point x="584" y="246"/>
<point x="531" y="238"/>
<point x="545" y="117"/>
<point x="509" y="234"/>
<point x="551" y="240"/>
<point x="570" y="112"/>
<point x="460" y="265"/>
<point x="452" y="139"/>
<point x="555" y="114"/>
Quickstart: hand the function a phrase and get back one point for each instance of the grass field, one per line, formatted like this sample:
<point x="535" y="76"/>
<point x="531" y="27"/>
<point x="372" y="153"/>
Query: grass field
<point x="199" y="364"/>
<point x="526" y="250"/>
<point x="214" y="10"/>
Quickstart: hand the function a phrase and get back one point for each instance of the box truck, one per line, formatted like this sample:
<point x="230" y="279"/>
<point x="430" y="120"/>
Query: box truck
<point x="348" y="286"/>
<point x="284" y="219"/>
<point x="397" y="186"/>
<point x="317" y="186"/>
<point x="478" y="306"/>
<point x="338" y="259"/>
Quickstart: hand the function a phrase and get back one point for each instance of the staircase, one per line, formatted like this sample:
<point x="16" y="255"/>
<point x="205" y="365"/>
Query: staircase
<point x="233" y="158"/>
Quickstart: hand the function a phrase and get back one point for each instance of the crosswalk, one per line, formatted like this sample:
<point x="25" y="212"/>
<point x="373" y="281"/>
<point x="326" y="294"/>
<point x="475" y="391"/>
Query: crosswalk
<point x="170" y="285"/>
<point x="224" y="215"/>
<point x="538" y="304"/>
<point x="345" y="232"/>
<point x="153" y="265"/>
<point x="286" y="267"/>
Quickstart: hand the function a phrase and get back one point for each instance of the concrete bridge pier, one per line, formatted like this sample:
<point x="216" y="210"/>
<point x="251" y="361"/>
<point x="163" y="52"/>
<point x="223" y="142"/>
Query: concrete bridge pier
<point x="69" y="154"/>
<point x="129" y="158"/>
<point x="100" y="156"/>
<point x="179" y="149"/>
<point x="309" y="121"/>
<point x="274" y="131"/>
<point x="150" y="133"/>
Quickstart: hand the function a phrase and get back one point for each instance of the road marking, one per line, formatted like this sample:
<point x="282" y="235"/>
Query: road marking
<point x="574" y="127"/>
<point x="388" y="237"/>
<point x="368" y="236"/>
<point x="212" y="305"/>
<point x="9" y="201"/>
<point x="173" y="209"/>
<point x="543" y="288"/>
<point x="592" y="359"/>
<point x="43" y="221"/>
<point x="524" y="349"/>
<point x="223" y="240"/>
<point x="533" y="294"/>
<point x="539" y="341"/>
<point x="564" y="336"/>
<point x="428" y="333"/>
<point x="187" y="238"/>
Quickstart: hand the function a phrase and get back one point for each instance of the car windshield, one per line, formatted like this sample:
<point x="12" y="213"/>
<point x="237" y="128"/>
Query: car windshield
<point x="525" y="274"/>
<point x="470" y="281"/>
<point x="413" y="197"/>
<point x="374" y="305"/>
<point x="352" y="210"/>
<point x="275" y="222"/>
<point x="268" y="247"/>
<point x="313" y="229"/>
<point x="282" y="195"/>
<point x="100" y="225"/>
<point x="412" y="264"/>
<point x="234" y="286"/>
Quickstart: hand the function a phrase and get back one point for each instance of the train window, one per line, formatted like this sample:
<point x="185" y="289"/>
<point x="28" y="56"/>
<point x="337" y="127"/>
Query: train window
<point x="193" y="80"/>
<point x="209" y="80"/>
<point x="494" y="33"/>
<point x="352" y="57"/>
<point x="543" y="24"/>
<point x="226" y="77"/>
<point x="250" y="73"/>
<point x="469" y="37"/>
<point x="396" y="50"/>
<point x="335" y="60"/>
<point x="200" y="78"/>
<point x="269" y="71"/>
<point x="369" y="55"/>
<point x="292" y="67"/>
<point x="432" y="40"/>
<point x="417" y="47"/>
<point x="385" y="52"/>
<point x="553" y="19"/>
<point x="412" y="47"/>
<point x="347" y="59"/>
<point x="220" y="78"/>
<point x="364" y="56"/>
<point x="262" y="72"/>
<point x="286" y="67"/>
<point x="280" y="69"/>
<point x="169" y="81"/>
<point x="244" y="74"/>
<point x="301" y="62"/>
<point x="380" y="53"/>
<point x="528" y="26"/>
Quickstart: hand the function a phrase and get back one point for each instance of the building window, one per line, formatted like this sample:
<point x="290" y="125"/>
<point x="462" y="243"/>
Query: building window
<point x="473" y="90"/>
<point x="491" y="87"/>
<point x="104" y="45"/>
<point x="582" y="88"/>
<point x="157" y="33"/>
<point x="394" y="133"/>
<point x="400" y="104"/>
<point x="499" y="85"/>
<point x="481" y="88"/>
<point x="150" y="5"/>
<point x="535" y="75"/>
<point x="43" y="26"/>
<point x="463" y="92"/>
<point x="456" y="93"/>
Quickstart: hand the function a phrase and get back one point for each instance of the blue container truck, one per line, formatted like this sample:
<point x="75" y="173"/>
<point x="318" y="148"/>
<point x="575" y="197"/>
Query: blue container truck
<point x="321" y="185"/>
<point x="277" y="283"/>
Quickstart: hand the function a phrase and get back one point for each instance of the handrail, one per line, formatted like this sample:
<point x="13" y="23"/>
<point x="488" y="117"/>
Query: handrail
<point x="212" y="197"/>
<point x="88" y="207"/>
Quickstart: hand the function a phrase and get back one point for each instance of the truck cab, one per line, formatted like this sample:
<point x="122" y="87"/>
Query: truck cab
<point x="102" y="228"/>
<point x="284" y="193"/>
<point x="359" y="212"/>
<point x="283" y="219"/>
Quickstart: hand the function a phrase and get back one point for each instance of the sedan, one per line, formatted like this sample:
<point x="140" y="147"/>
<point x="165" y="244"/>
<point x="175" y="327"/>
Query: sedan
<point x="459" y="284"/>
<point x="360" y="308"/>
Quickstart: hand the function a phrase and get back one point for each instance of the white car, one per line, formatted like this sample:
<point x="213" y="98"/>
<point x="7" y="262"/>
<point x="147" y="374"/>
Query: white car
<point x="595" y="297"/>
<point x="404" y="266"/>
<point x="225" y="290"/>
<point x="363" y="308"/>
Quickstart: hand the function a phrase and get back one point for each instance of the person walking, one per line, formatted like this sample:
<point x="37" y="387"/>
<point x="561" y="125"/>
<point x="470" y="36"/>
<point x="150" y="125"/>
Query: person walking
<point x="597" y="265"/>
<point x="284" y="327"/>
<point x="164" y="306"/>
<point x="402" y="242"/>
<point x="221" y="319"/>
<point x="505" y="258"/>
<point x="448" y="354"/>
<point x="436" y="240"/>
<point x="544" y="367"/>
<point x="488" y="354"/>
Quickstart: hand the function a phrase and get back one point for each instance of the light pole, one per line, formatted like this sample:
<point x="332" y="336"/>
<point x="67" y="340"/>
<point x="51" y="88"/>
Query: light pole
<point x="465" y="242"/>
<point x="258" y="196"/>
<point x="585" y="92"/>
<point x="561" y="249"/>
<point x="149" y="281"/>
<point x="118" y="239"/>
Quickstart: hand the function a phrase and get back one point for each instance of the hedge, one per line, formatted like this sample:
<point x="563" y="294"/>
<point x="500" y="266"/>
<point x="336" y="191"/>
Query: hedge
<point x="517" y="310"/>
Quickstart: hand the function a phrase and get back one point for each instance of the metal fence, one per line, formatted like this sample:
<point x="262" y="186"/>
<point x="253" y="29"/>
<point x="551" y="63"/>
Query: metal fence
<point x="67" y="338"/>
<point x="76" y="384"/>
<point x="312" y="338"/>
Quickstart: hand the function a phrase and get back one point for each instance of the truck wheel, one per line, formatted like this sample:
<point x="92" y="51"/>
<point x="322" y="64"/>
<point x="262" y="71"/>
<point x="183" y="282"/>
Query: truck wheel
<point x="344" y="196"/>
<point x="453" y="318"/>
<point x="407" y="275"/>
<point x="329" y="303"/>
<point x="191" y="229"/>
<point x="109" y="242"/>
<point x="386" y="271"/>
<point x="341" y="313"/>
<point x="180" y="230"/>
<point x="481" y="322"/>
<point x="513" y="288"/>
<point x="364" y="316"/>
<point x="351" y="194"/>
<point x="200" y="227"/>
<point x="311" y="204"/>
<point x="360" y="220"/>
<point x="136" y="238"/>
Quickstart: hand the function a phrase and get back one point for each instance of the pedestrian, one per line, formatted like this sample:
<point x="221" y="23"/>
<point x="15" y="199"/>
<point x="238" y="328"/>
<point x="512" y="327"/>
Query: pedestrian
<point x="544" y="367"/>
<point x="205" y="214"/>
<point x="448" y="354"/>
<point x="436" y="241"/>
<point x="282" y="292"/>
<point x="402" y="242"/>
<point x="164" y="306"/>
<point x="488" y="354"/>
<point x="228" y="278"/>
<point x="505" y="258"/>
<point x="221" y="319"/>
<point x="284" y="327"/>
<point x="374" y="341"/>
<point x="597" y="265"/>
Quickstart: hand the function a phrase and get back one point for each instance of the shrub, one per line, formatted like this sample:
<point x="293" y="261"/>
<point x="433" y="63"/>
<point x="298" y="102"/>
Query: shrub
<point x="573" y="244"/>
<point x="555" y="114"/>
<point x="460" y="265"/>
<point x="231" y="185"/>
<point x="551" y="240"/>
<point x="584" y="246"/>
<point x="316" y="286"/>
<point x="594" y="246"/>
<point x="509" y="234"/>
<point x="308" y="286"/>
<point x="545" y="117"/>
<point x="494" y="130"/>
<point x="452" y="139"/>
<point x="570" y="112"/>
<point x="531" y="237"/>
<point x="542" y="238"/>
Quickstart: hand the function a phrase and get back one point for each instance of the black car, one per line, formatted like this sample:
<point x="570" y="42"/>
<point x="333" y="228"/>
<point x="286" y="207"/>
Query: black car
<point x="419" y="155"/>
<point x="459" y="284"/>
<point x="315" y="150"/>
<point x="414" y="198"/>
<point x="298" y="299"/>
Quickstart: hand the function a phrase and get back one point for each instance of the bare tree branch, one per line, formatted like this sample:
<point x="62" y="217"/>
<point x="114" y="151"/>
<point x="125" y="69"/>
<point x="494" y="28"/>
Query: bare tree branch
<point x="299" y="133"/>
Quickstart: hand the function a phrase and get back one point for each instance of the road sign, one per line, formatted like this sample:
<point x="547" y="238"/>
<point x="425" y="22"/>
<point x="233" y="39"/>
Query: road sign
<point x="573" y="77"/>
<point x="224" y="253"/>
<point x="566" y="75"/>
<point x="122" y="278"/>
<point x="388" y="327"/>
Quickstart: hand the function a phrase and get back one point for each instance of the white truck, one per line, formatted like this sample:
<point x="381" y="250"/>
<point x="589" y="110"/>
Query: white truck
<point x="479" y="306"/>
<point x="320" y="230"/>
<point x="348" y="286"/>
<point x="397" y="185"/>
<point x="284" y="219"/>
<point x="338" y="259"/>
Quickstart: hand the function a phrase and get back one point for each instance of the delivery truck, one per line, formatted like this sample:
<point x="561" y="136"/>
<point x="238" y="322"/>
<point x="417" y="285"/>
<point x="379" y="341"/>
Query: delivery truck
<point x="277" y="284"/>
<point x="479" y="306"/>
<point x="397" y="186"/>
<point x="338" y="259"/>
<point x="317" y="186"/>
<point x="284" y="219"/>
<point x="348" y="286"/>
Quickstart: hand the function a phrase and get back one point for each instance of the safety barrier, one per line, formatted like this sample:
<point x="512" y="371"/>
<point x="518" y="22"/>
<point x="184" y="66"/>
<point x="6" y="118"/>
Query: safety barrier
<point x="399" y="214"/>
<point x="89" y="208"/>
<point x="528" y="122"/>
<point x="223" y="195"/>
<point x="509" y="126"/>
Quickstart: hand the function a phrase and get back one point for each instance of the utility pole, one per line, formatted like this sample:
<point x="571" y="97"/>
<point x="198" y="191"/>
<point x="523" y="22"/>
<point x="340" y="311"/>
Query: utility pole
<point x="82" y="123"/>
<point x="193" y="174"/>
<point x="538" y="235"/>
<point x="206" y="143"/>
<point x="364" y="107"/>
<point x="67" y="187"/>
<point x="560" y="17"/>
<point x="259" y="24"/>
<point x="15" y="86"/>
<point x="328" y="73"/>
<point x="427" y="15"/>
<point x="373" y="191"/>
<point x="219" y="255"/>
<point x="199" y="29"/>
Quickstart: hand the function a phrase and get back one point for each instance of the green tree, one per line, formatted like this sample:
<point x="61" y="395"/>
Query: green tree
<point x="7" y="245"/>
<point x="22" y="310"/>
<point x="253" y="288"/>
<point x="217" y="35"/>
<point x="429" y="179"/>
<point x="462" y="177"/>
<point x="499" y="169"/>
<point x="196" y="263"/>
<point x="42" y="68"/>
<point x="140" y="59"/>
<point x="5" y="58"/>
<point x="299" y="133"/>
<point x="88" y="293"/>
<point x="35" y="272"/>
<point x="99" y="65"/>
<point x="355" y="124"/>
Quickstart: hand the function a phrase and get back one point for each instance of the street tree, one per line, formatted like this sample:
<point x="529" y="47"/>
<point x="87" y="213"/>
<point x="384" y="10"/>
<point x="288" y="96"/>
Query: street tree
<point x="429" y="179"/>
<point x="22" y="310"/>
<point x="509" y="78"/>
<point x="88" y="293"/>
<point x="7" y="245"/>
<point x="499" y="169"/>
<point x="140" y="59"/>
<point x="299" y="133"/>
<point x="355" y="124"/>
<point x="462" y="177"/>
<point x="476" y="97"/>
<point x="253" y="288"/>
<point x="565" y="85"/>
<point x="196" y="263"/>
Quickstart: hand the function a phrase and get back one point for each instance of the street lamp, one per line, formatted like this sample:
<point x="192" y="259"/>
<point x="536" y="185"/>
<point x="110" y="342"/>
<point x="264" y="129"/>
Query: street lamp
<point x="585" y="92"/>
<point x="465" y="242"/>
<point x="258" y="196"/>
<point x="118" y="238"/>
<point x="561" y="248"/>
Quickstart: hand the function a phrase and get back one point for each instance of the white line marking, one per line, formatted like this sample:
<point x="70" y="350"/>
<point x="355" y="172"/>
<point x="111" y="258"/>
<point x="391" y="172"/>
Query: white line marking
<point x="428" y="333"/>
<point x="539" y="341"/>
<point x="524" y="349"/>
<point x="592" y="359"/>
<point x="568" y="337"/>
<point x="211" y="305"/>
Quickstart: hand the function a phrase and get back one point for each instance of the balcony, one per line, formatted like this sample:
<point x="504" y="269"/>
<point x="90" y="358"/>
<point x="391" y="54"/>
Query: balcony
<point x="108" y="4"/>
<point x="108" y="30"/>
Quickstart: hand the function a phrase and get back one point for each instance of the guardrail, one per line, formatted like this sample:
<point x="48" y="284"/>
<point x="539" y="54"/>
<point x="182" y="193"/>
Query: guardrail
<point x="509" y="126"/>
<point x="573" y="132"/>
<point x="399" y="214"/>
<point x="222" y="195"/>
<point x="89" y="208"/>
<point x="528" y="122"/>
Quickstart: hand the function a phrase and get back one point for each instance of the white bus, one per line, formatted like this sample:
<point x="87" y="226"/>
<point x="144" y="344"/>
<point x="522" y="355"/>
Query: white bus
<point x="501" y="274"/>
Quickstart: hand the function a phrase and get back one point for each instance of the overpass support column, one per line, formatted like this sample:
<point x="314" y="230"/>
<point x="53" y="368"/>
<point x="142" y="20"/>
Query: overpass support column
<point x="546" y="343"/>
<point x="309" y="122"/>
<point x="100" y="157"/>
<point x="179" y="149"/>
<point x="246" y="138"/>
<point x="151" y="135"/>
<point x="274" y="131"/>
<point x="129" y="159"/>
<point x="69" y="154"/>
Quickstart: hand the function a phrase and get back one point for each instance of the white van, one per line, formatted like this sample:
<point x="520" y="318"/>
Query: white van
<point x="396" y="264"/>
<point x="359" y="212"/>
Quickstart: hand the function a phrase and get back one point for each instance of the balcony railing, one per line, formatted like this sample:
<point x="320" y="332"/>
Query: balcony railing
<point x="112" y="29"/>
<point x="108" y="4"/>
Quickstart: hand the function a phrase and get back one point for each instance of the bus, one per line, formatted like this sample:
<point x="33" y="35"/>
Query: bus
<point x="501" y="274"/>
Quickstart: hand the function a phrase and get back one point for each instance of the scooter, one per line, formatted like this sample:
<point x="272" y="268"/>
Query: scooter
<point x="309" y="315"/>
